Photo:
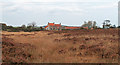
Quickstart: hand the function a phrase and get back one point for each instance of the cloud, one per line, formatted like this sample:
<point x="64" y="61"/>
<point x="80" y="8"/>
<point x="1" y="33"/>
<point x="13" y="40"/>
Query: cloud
<point x="78" y="8"/>
<point x="48" y="5"/>
<point x="42" y="7"/>
<point x="108" y="5"/>
<point x="59" y="0"/>
<point x="24" y="11"/>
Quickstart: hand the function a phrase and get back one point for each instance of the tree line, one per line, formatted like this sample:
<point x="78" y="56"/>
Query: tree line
<point x="33" y="27"/>
<point x="29" y="28"/>
<point x="93" y="24"/>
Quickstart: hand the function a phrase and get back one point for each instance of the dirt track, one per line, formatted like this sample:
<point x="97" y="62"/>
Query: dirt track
<point x="75" y="46"/>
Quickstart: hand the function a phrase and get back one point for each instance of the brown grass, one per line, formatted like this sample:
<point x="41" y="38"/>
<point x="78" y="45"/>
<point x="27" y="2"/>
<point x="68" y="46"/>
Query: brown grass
<point x="74" y="46"/>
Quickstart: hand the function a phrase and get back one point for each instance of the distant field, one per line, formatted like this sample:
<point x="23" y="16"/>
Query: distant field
<point x="70" y="46"/>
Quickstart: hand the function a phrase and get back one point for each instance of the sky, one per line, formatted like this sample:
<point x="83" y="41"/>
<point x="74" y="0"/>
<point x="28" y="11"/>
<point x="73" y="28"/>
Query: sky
<point x="67" y="12"/>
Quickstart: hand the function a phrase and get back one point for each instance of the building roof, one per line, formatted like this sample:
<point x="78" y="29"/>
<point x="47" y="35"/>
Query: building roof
<point x="51" y="24"/>
<point x="85" y="27"/>
<point x="72" y="27"/>
<point x="46" y="26"/>
<point x="58" y="25"/>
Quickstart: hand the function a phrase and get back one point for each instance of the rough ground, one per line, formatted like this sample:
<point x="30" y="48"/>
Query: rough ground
<point x="70" y="46"/>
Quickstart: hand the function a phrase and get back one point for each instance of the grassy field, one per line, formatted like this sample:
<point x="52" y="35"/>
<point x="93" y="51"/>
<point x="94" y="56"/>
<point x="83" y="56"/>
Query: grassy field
<point x="70" y="46"/>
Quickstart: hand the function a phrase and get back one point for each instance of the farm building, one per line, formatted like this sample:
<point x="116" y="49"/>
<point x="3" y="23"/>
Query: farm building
<point x="71" y="28"/>
<point x="53" y="26"/>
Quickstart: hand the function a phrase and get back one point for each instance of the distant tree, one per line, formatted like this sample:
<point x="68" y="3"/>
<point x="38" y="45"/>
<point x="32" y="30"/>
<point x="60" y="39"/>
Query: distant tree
<point x="4" y="27"/>
<point x="94" y="24"/>
<point x="32" y="27"/>
<point x="114" y="26"/>
<point x="103" y="23"/>
<point x="85" y="24"/>
<point x="33" y="24"/>
<point x="107" y="24"/>
<point x="29" y="27"/>
<point x="90" y="24"/>
<point x="41" y="28"/>
<point x="118" y="27"/>
<point x="10" y="27"/>
<point x="23" y="26"/>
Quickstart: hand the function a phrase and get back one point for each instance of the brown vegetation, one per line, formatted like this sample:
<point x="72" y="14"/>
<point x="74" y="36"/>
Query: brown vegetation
<point x="16" y="52"/>
<point x="69" y="46"/>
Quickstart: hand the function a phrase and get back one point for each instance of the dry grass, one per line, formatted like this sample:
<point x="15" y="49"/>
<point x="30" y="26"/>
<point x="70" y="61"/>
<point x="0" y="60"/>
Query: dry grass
<point x="75" y="46"/>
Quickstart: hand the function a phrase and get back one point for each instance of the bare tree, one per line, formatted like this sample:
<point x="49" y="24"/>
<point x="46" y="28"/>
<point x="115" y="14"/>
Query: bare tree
<point x="85" y="24"/>
<point x="89" y="24"/>
<point x="94" y="24"/>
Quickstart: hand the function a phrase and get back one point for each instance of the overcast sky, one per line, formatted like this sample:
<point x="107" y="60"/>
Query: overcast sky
<point x="67" y="12"/>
